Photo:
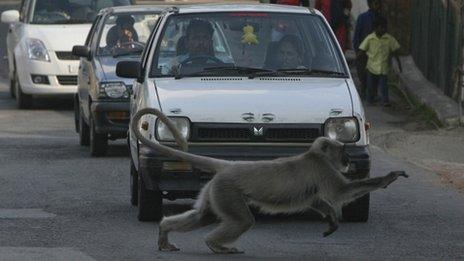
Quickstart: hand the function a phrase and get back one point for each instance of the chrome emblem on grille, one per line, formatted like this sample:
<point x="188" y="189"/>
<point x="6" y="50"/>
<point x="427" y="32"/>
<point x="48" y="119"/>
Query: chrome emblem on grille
<point x="258" y="131"/>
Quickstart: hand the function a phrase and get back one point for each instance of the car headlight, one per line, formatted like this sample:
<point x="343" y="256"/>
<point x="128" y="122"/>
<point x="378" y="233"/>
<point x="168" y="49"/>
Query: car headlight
<point x="164" y="134"/>
<point x="114" y="90"/>
<point x="36" y="50"/>
<point x="342" y="129"/>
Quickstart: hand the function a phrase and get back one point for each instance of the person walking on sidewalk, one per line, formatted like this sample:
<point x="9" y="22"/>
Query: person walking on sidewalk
<point x="364" y="27"/>
<point x="337" y="13"/>
<point x="379" y="47"/>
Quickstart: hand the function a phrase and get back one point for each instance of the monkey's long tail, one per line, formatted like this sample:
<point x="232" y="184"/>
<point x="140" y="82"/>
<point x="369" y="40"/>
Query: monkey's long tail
<point x="201" y="162"/>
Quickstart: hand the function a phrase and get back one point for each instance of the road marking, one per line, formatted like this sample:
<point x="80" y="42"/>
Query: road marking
<point x="24" y="213"/>
<point x="43" y="253"/>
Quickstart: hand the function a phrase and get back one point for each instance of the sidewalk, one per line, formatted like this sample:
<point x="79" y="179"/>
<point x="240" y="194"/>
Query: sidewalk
<point x="419" y="88"/>
<point x="403" y="133"/>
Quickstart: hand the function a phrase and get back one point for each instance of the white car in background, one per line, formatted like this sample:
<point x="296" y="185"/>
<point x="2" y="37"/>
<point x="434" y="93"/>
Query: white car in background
<point x="39" y="43"/>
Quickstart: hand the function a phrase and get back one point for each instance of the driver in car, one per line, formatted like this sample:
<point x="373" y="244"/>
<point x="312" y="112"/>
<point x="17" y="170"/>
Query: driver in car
<point x="123" y="37"/>
<point x="195" y="46"/>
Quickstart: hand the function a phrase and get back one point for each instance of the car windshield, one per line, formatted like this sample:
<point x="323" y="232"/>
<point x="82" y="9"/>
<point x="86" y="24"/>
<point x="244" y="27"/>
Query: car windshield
<point x="246" y="43"/>
<point x="126" y="34"/>
<point x="70" y="11"/>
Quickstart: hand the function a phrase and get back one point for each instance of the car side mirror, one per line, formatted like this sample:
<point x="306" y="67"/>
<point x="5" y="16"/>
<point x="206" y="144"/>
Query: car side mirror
<point x="128" y="69"/>
<point x="10" y="16"/>
<point x="81" y="51"/>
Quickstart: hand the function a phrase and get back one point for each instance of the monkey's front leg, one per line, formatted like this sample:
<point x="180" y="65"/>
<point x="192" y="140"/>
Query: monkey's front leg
<point x="326" y="210"/>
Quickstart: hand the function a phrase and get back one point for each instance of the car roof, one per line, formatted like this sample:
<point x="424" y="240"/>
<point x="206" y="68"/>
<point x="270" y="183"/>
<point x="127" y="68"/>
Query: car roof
<point x="237" y="7"/>
<point x="134" y="9"/>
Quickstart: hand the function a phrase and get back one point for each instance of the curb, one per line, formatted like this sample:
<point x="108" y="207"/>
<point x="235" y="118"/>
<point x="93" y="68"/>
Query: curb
<point x="426" y="93"/>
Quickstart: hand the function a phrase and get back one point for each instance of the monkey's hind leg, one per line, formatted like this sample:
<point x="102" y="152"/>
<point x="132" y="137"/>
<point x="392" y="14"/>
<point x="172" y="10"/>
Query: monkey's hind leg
<point x="357" y="189"/>
<point x="327" y="211"/>
<point x="236" y="218"/>
<point x="198" y="217"/>
<point x="184" y="222"/>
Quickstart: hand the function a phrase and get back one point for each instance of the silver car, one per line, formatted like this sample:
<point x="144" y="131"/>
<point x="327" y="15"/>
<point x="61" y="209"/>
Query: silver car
<point x="102" y="101"/>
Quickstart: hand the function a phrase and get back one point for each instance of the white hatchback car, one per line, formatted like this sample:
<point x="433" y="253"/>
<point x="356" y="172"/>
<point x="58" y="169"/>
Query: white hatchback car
<point x="40" y="41"/>
<point x="242" y="82"/>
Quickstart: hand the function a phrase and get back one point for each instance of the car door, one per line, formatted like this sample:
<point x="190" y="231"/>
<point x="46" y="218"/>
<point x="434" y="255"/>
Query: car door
<point x="15" y="32"/>
<point x="86" y="69"/>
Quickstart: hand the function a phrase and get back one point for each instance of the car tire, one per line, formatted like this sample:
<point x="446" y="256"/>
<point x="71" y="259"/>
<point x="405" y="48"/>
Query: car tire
<point x="98" y="141"/>
<point x="23" y="101"/>
<point x="76" y="114"/>
<point x="358" y="210"/>
<point x="84" y="131"/>
<point x="134" y="184"/>
<point x="12" y="88"/>
<point x="150" y="203"/>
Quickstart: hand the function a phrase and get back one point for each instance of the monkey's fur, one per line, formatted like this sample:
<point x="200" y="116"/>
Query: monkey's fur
<point x="285" y="185"/>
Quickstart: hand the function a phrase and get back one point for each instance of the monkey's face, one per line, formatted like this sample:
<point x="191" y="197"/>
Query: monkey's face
<point x="335" y="151"/>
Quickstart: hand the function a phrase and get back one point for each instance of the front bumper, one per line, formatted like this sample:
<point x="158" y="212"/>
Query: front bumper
<point x="61" y="74"/>
<point x="117" y="128"/>
<point x="186" y="184"/>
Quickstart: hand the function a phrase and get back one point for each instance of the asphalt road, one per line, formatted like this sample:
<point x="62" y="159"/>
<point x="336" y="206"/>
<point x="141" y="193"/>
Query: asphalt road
<point x="58" y="203"/>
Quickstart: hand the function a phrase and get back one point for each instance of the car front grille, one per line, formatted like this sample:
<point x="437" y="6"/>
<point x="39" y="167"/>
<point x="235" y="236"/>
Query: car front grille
<point x="67" y="79"/>
<point x="212" y="132"/>
<point x="66" y="56"/>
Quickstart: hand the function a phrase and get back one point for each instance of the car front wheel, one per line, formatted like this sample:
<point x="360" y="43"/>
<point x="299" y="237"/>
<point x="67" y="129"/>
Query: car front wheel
<point x="134" y="185"/>
<point x="150" y="202"/>
<point x="23" y="101"/>
<point x="98" y="141"/>
<point x="12" y="88"/>
<point x="358" y="210"/>
<point x="84" y="132"/>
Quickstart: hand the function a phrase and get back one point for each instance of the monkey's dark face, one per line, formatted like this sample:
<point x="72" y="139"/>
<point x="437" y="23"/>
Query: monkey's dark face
<point x="335" y="151"/>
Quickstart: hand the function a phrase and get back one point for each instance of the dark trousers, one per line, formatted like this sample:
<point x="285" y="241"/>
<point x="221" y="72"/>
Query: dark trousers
<point x="376" y="81"/>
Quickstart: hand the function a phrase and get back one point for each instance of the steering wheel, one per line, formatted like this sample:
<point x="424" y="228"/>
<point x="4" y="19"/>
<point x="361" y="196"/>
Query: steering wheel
<point x="201" y="59"/>
<point x="128" y="44"/>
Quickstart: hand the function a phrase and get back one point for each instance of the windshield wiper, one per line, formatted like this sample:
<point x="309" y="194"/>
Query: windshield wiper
<point x="71" y="21"/>
<point x="302" y="71"/>
<point x="240" y="69"/>
<point x="210" y="71"/>
<point x="305" y="71"/>
<point x="128" y="53"/>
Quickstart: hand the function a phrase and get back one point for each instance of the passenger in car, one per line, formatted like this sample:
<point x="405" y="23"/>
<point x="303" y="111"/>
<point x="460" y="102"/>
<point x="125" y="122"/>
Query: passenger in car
<point x="290" y="54"/>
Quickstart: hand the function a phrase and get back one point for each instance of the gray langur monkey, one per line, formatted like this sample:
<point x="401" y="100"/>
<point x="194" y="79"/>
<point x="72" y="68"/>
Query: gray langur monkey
<point x="312" y="179"/>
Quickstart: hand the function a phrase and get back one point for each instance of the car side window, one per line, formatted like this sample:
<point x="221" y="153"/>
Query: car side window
<point x="92" y="31"/>
<point x="147" y="49"/>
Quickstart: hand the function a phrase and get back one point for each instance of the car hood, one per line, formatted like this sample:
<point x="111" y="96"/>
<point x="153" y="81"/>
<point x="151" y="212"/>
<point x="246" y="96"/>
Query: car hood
<point x="233" y="100"/>
<point x="59" y="37"/>
<point x="108" y="66"/>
